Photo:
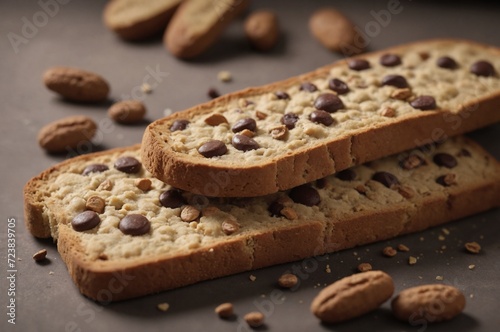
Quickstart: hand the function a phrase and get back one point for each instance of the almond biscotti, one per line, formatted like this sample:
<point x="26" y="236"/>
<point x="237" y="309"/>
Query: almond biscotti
<point x="265" y="139"/>
<point x="111" y="218"/>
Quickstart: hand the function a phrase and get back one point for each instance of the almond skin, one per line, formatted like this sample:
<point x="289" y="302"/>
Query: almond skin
<point x="434" y="303"/>
<point x="76" y="84"/>
<point x="66" y="133"/>
<point x="352" y="296"/>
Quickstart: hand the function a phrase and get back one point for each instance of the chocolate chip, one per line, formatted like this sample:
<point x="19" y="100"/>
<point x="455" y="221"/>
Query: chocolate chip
<point x="446" y="62"/>
<point x="306" y="86"/>
<point x="482" y="68"/>
<point x="275" y="208"/>
<point x="213" y="93"/>
<point x="95" y="168"/>
<point x="358" y="64"/>
<point x="244" y="143"/>
<point x="212" y="148"/>
<point x="390" y="60"/>
<point x="464" y="153"/>
<point x="386" y="178"/>
<point x="85" y="221"/>
<point x="412" y="161"/>
<point x="134" y="224"/>
<point x="282" y="95"/>
<point x="321" y="117"/>
<point x="305" y="195"/>
<point x="328" y="102"/>
<point x="242" y="124"/>
<point x="424" y="103"/>
<point x="346" y="175"/>
<point x="395" y="80"/>
<point x="172" y="199"/>
<point x="445" y="160"/>
<point x="289" y="120"/>
<point x="128" y="165"/>
<point x="321" y="183"/>
<point x="338" y="86"/>
<point x="179" y="125"/>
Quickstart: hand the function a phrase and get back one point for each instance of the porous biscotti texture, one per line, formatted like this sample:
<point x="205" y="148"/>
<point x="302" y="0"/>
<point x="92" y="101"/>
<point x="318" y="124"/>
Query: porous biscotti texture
<point x="175" y="253"/>
<point x="138" y="19"/>
<point x="374" y="122"/>
<point x="197" y="24"/>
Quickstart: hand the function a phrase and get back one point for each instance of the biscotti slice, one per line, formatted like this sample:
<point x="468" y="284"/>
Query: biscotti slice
<point x="292" y="132"/>
<point x="197" y="24"/>
<point x="158" y="238"/>
<point x="138" y="19"/>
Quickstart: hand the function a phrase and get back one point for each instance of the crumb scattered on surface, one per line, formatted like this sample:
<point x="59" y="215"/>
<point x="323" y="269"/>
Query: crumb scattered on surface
<point x="51" y="272"/>
<point x="422" y="238"/>
<point x="254" y="319"/>
<point x="445" y="231"/>
<point x="167" y="111"/>
<point x="163" y="306"/>
<point x="412" y="260"/>
<point x="224" y="310"/>
<point x="252" y="277"/>
<point x="439" y="278"/>
<point x="40" y="255"/>
<point x="441" y="238"/>
<point x="327" y="269"/>
<point x="473" y="247"/>
<point x="224" y="76"/>
<point x="146" y="88"/>
<point x="472" y="266"/>
<point x="389" y="251"/>
<point x="402" y="247"/>
<point x="288" y="280"/>
<point x="363" y="267"/>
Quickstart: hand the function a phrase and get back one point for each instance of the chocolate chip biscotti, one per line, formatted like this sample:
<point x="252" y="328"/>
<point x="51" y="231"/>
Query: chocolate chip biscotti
<point x="110" y="217"/>
<point x="265" y="139"/>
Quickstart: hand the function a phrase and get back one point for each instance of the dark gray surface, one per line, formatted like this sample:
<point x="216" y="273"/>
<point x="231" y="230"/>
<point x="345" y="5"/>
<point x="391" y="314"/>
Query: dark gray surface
<point x="75" y="36"/>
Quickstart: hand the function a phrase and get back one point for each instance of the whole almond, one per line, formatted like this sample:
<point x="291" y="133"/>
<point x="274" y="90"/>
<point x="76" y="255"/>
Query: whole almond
<point x="434" y="303"/>
<point x="336" y="32"/>
<point x="352" y="296"/>
<point x="127" y="111"/>
<point x="67" y="133"/>
<point x="262" y="30"/>
<point x="76" y="84"/>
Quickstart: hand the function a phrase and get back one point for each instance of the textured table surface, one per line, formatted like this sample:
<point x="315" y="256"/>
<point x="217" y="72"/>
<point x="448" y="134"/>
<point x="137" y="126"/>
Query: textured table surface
<point x="46" y="298"/>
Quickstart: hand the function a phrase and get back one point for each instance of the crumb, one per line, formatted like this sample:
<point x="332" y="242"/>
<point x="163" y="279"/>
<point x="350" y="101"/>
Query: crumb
<point x="422" y="238"/>
<point x="252" y="277"/>
<point x="51" y="272"/>
<point x="224" y="310"/>
<point x="389" y="251"/>
<point x="471" y="267"/>
<point x="471" y="296"/>
<point x="363" y="267"/>
<point x="163" y="306"/>
<point x="327" y="269"/>
<point x="445" y="231"/>
<point x="40" y="255"/>
<point x="420" y="277"/>
<point x="439" y="278"/>
<point x="146" y="88"/>
<point x="441" y="238"/>
<point x="167" y="111"/>
<point x="443" y="247"/>
<point x="355" y="253"/>
<point x="402" y="247"/>
<point x="254" y="319"/>
<point x="412" y="260"/>
<point x="224" y="76"/>
<point x="263" y="296"/>
<point x="19" y="259"/>
<point x="473" y="247"/>
<point x="288" y="280"/>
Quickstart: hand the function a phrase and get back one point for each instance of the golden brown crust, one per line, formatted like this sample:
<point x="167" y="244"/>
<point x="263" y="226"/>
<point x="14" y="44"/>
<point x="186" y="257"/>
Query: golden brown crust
<point x="183" y="37"/>
<point x="137" y="29"/>
<point x="399" y="134"/>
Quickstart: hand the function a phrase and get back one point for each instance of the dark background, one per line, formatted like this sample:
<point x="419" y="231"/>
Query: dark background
<point x="75" y="36"/>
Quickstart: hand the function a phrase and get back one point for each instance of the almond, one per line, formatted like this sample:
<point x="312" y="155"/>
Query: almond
<point x="67" y="133"/>
<point x="262" y="30"/>
<point x="127" y="111"/>
<point x="76" y="84"/>
<point x="352" y="296"/>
